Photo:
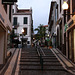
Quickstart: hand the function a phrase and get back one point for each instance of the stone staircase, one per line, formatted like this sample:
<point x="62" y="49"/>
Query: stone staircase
<point x="30" y="62"/>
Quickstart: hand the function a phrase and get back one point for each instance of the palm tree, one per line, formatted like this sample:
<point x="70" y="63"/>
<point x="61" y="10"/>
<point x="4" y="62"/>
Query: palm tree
<point x="40" y="32"/>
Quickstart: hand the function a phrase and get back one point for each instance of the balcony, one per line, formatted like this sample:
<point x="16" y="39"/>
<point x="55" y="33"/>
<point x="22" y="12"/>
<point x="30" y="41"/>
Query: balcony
<point x="15" y="26"/>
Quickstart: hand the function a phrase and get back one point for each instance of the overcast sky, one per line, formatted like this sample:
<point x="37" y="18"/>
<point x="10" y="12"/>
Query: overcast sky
<point x="40" y="8"/>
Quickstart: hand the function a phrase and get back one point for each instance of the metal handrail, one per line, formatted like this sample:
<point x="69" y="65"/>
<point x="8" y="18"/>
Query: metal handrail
<point x="40" y="56"/>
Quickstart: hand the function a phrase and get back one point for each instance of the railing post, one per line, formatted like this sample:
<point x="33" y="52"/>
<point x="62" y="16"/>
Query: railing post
<point x="41" y="62"/>
<point x="40" y="57"/>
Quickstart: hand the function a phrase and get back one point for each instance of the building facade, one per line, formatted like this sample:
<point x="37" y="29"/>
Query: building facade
<point x="65" y="28"/>
<point x="22" y="19"/>
<point x="52" y="23"/>
<point x="5" y="29"/>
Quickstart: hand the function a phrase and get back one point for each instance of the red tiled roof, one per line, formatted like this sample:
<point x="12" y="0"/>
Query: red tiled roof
<point x="24" y="10"/>
<point x="45" y="26"/>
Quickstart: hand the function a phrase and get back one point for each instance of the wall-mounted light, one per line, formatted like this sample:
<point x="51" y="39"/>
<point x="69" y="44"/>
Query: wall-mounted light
<point x="22" y="30"/>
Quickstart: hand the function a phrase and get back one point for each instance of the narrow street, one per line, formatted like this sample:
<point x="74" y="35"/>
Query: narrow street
<point x="30" y="63"/>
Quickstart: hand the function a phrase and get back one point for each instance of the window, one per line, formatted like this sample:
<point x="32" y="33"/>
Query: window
<point x="15" y="21"/>
<point x="25" y="31"/>
<point x="73" y="6"/>
<point x="28" y="42"/>
<point x="12" y="10"/>
<point x="10" y="13"/>
<point x="25" y="20"/>
<point x="60" y="5"/>
<point x="56" y="15"/>
<point x="68" y="11"/>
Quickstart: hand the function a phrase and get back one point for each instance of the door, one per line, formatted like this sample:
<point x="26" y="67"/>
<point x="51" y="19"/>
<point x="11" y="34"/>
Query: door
<point x="71" y="45"/>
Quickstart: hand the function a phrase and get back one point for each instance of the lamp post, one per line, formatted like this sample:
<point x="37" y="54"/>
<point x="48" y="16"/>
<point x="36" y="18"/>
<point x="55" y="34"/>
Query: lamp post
<point x="65" y="7"/>
<point x="22" y="37"/>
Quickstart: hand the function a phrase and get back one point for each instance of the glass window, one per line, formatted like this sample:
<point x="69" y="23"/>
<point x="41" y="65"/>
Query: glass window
<point x="73" y="6"/>
<point x="15" y="21"/>
<point x="25" y="20"/>
<point x="60" y="6"/>
<point x="12" y="10"/>
<point x="28" y="42"/>
<point x="10" y="13"/>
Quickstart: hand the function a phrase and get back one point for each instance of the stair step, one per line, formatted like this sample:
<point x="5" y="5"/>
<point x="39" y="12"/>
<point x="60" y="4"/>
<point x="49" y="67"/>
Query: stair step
<point x="29" y="58"/>
<point x="38" y="57"/>
<point x="39" y="68"/>
<point x="39" y="64"/>
<point x="39" y="61"/>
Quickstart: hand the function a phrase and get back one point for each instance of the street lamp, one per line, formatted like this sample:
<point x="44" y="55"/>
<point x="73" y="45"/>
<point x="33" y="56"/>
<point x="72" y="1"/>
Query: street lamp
<point x="48" y="35"/>
<point x="22" y="36"/>
<point x="65" y="6"/>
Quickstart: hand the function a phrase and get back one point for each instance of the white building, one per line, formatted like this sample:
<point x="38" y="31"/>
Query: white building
<point x="22" y="19"/>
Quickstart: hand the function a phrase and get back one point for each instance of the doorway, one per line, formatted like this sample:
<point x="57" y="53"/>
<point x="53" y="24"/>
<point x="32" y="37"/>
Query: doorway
<point x="71" y="45"/>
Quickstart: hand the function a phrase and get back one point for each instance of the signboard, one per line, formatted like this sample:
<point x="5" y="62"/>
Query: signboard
<point x="47" y="39"/>
<point x="9" y="2"/>
<point x="66" y="26"/>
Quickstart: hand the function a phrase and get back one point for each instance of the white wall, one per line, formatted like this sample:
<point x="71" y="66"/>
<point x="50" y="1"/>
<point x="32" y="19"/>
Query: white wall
<point x="20" y="19"/>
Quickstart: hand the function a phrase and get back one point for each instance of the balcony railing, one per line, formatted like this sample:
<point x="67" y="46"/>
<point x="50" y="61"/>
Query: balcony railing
<point x="15" y="25"/>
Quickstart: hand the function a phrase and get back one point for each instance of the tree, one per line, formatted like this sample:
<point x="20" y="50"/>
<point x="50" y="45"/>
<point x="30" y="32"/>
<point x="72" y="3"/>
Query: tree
<point x="40" y="32"/>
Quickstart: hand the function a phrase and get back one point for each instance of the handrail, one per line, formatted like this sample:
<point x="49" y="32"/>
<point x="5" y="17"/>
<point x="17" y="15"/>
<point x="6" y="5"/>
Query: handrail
<point x="42" y="52"/>
<point x="40" y="56"/>
<point x="38" y="52"/>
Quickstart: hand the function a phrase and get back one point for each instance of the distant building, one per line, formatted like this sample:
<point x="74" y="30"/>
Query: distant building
<point x="52" y="22"/>
<point x="22" y="19"/>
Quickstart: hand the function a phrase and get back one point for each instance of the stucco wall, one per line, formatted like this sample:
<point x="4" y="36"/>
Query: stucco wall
<point x="21" y="26"/>
<point x="5" y="16"/>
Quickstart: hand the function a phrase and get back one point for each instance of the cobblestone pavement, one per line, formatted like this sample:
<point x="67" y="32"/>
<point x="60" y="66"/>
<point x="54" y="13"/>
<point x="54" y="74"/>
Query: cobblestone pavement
<point x="30" y="63"/>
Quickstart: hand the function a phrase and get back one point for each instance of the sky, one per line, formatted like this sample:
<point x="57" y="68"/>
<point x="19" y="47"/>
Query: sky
<point x="40" y="10"/>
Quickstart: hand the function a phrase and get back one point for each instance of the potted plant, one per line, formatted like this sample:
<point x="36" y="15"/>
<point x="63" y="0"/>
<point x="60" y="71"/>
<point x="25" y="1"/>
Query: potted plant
<point x="50" y="44"/>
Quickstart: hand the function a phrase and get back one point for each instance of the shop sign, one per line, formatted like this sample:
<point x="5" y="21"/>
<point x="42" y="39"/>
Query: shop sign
<point x="66" y="26"/>
<point x="9" y="2"/>
<point x="47" y="39"/>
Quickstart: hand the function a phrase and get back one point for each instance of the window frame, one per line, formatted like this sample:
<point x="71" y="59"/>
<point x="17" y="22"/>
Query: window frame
<point x="25" y="20"/>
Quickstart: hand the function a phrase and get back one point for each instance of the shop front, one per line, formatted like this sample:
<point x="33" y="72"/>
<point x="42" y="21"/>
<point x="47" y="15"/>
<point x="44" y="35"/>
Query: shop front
<point x="2" y="44"/>
<point x="71" y="43"/>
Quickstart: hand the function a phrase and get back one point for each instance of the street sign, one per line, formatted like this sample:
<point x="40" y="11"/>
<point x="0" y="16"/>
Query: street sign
<point x="8" y="2"/>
